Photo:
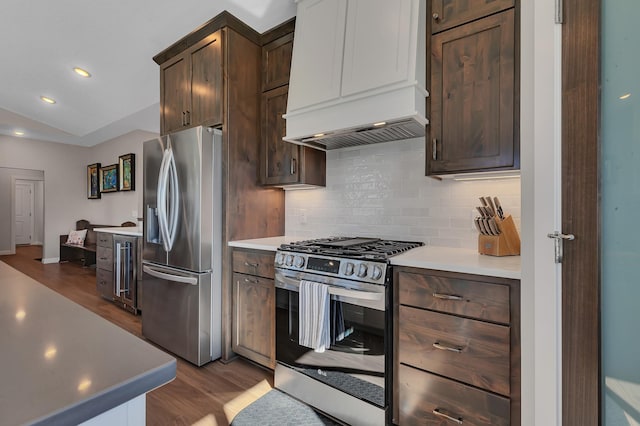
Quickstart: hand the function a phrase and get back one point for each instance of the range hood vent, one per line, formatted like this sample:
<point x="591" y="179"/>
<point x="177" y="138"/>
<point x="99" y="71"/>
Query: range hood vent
<point x="358" y="73"/>
<point x="405" y="129"/>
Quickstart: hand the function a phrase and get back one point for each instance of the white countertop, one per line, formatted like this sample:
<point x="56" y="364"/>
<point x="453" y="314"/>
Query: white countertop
<point x="459" y="260"/>
<point x="429" y="257"/>
<point x="121" y="230"/>
<point x="61" y="363"/>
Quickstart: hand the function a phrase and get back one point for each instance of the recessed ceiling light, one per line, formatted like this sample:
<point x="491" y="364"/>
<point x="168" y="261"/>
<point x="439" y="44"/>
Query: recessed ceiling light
<point x="379" y="124"/>
<point x="625" y="96"/>
<point x="318" y="135"/>
<point x="81" y="72"/>
<point x="47" y="100"/>
<point x="18" y="133"/>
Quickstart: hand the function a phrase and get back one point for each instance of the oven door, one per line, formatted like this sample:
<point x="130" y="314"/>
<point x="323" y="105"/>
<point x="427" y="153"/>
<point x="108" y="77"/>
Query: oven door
<point x="355" y="362"/>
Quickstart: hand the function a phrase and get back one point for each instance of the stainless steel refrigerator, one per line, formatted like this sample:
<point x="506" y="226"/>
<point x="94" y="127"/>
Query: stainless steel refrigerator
<point x="182" y="253"/>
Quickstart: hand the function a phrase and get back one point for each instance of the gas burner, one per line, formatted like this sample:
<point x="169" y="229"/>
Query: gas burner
<point x="352" y="247"/>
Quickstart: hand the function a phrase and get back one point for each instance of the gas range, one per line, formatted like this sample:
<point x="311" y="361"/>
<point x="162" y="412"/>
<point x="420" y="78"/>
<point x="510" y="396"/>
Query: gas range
<point x="354" y="258"/>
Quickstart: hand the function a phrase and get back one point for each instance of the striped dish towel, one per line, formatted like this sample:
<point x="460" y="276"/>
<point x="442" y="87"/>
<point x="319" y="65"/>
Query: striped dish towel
<point x="313" y="316"/>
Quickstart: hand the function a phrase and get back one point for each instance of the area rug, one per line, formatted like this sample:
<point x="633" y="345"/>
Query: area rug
<point x="278" y="409"/>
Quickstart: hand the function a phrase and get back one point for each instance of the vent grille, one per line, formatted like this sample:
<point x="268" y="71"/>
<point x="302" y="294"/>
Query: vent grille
<point x="391" y="132"/>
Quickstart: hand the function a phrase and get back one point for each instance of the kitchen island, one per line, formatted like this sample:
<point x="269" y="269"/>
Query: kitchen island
<point x="62" y="364"/>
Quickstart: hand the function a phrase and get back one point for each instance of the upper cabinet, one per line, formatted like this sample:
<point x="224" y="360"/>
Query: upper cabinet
<point x="283" y="164"/>
<point x="191" y="86"/>
<point x="474" y="87"/>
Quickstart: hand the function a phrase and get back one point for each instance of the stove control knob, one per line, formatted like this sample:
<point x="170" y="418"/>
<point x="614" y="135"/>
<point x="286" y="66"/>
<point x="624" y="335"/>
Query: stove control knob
<point x="376" y="273"/>
<point x="279" y="259"/>
<point x="348" y="270"/>
<point x="298" y="262"/>
<point x="362" y="271"/>
<point x="289" y="260"/>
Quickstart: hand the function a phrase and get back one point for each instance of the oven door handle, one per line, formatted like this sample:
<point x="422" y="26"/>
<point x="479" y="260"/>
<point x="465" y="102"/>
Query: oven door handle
<point x="294" y="285"/>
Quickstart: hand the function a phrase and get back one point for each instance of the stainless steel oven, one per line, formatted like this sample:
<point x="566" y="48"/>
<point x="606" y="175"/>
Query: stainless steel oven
<point x="353" y="366"/>
<point x="349" y="379"/>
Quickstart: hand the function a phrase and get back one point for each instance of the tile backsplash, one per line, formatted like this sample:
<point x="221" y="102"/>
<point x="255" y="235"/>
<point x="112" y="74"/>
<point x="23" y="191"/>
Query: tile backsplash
<point x="381" y="191"/>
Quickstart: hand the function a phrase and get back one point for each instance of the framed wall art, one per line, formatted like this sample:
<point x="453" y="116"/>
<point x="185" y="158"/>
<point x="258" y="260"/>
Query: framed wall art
<point x="93" y="181"/>
<point x="127" y="171"/>
<point x="109" y="178"/>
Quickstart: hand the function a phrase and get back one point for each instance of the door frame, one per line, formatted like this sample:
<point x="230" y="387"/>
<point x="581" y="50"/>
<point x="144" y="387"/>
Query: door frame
<point x="581" y="371"/>
<point x="12" y="204"/>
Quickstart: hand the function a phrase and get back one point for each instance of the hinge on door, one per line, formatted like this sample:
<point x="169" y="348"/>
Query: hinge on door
<point x="558" y="243"/>
<point x="559" y="12"/>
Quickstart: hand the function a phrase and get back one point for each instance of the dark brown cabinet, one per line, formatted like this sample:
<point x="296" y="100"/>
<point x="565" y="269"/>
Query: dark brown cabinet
<point x="283" y="163"/>
<point x="474" y="89"/>
<point x="254" y="306"/>
<point x="448" y="14"/>
<point x="191" y="86"/>
<point x="457" y="348"/>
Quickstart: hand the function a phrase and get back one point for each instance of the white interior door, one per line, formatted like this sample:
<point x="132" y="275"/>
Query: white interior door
<point x="24" y="212"/>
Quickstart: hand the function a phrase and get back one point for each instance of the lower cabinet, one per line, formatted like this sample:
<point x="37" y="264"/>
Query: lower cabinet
<point x="104" y="265"/>
<point x="457" y="349"/>
<point x="253" y="330"/>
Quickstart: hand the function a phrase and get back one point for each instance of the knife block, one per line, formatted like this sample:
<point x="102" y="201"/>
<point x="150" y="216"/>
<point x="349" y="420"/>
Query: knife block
<point x="505" y="244"/>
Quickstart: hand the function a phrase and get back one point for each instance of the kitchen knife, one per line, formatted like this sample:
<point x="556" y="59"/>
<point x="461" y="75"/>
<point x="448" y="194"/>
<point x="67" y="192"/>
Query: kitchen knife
<point x="476" y="222"/>
<point x="498" y="207"/>
<point x="483" y="202"/>
<point x="491" y="205"/>
<point x="493" y="226"/>
<point x="482" y="212"/>
<point x="483" y="226"/>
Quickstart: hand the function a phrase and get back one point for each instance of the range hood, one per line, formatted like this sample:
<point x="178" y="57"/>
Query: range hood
<point x="357" y="73"/>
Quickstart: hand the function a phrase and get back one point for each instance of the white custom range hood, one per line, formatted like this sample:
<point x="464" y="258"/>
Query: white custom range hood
<point x="357" y="73"/>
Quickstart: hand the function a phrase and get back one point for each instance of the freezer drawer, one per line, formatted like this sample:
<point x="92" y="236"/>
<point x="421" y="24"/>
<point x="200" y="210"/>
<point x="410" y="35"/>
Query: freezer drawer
<point x="177" y="311"/>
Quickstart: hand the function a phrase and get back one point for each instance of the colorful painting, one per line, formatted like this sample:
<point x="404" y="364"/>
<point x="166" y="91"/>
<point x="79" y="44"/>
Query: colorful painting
<point x="127" y="168"/>
<point x="93" y="181"/>
<point x="109" y="178"/>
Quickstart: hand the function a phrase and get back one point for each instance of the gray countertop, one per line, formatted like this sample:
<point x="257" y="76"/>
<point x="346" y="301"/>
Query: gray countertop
<point x="428" y="257"/>
<point x="62" y="364"/>
<point x="121" y="230"/>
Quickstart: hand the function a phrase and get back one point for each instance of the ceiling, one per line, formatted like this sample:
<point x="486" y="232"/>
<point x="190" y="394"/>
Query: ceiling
<point x="41" y="41"/>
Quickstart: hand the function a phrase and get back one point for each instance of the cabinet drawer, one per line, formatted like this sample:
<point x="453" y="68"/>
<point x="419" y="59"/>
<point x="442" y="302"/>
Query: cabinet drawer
<point x="473" y="299"/>
<point x="104" y="258"/>
<point x="104" y="239"/>
<point x="258" y="263"/>
<point x="104" y="283"/>
<point x="422" y="395"/>
<point x="467" y="350"/>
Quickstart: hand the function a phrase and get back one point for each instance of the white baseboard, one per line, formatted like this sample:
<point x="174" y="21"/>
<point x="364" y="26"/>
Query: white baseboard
<point x="51" y="260"/>
<point x="5" y="252"/>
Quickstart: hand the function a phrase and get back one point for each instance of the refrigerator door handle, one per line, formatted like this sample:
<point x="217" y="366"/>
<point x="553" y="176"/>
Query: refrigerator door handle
<point x="170" y="277"/>
<point x="118" y="269"/>
<point x="172" y="222"/>
<point x="162" y="200"/>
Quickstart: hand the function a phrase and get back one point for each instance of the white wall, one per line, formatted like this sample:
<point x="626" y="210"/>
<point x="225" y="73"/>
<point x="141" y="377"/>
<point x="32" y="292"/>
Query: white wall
<point x="113" y="208"/>
<point x="65" y="185"/>
<point x="381" y="191"/>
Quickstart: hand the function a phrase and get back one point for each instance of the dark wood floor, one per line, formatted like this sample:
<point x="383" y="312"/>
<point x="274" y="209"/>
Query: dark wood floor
<point x="206" y="396"/>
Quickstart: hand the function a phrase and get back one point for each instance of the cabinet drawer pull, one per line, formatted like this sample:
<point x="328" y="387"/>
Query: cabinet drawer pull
<point x="445" y="347"/>
<point x="104" y="258"/>
<point x="446" y="296"/>
<point x="253" y="265"/>
<point x="434" y="149"/>
<point x="184" y="118"/>
<point x="247" y="280"/>
<point x="188" y="122"/>
<point x="440" y="413"/>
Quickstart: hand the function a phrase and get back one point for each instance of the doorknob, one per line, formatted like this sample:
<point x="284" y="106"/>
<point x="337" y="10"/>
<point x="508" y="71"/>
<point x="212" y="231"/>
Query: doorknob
<point x="558" y="242"/>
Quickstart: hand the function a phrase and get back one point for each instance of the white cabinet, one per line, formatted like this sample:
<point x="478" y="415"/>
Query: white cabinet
<point x="345" y="47"/>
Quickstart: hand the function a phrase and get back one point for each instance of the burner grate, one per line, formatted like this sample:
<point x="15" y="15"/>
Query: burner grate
<point x="352" y="247"/>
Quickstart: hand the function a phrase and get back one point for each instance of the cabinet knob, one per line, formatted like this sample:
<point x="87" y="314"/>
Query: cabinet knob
<point x="435" y="16"/>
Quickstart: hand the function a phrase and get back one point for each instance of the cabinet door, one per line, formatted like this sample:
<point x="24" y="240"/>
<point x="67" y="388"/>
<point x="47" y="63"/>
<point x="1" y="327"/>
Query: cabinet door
<point x="276" y="62"/>
<point x="174" y="94"/>
<point x="280" y="162"/>
<point x="377" y="44"/>
<point x="447" y="14"/>
<point x="317" y="53"/>
<point x="472" y="97"/>
<point x="206" y="82"/>
<point x="254" y="318"/>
